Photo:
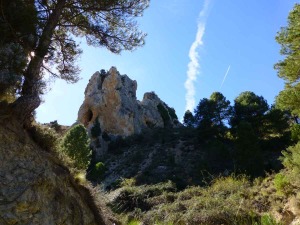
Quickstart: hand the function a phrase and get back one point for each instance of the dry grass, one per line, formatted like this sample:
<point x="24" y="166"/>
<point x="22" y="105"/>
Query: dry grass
<point x="227" y="201"/>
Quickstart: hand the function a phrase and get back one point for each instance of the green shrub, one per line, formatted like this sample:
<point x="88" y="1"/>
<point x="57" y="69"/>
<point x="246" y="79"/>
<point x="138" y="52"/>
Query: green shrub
<point x="281" y="183"/>
<point x="128" y="182"/>
<point x="80" y="178"/>
<point x="76" y="145"/>
<point x="224" y="202"/>
<point x="134" y="222"/>
<point x="291" y="160"/>
<point x="97" y="171"/>
<point x="295" y="132"/>
<point x="132" y="198"/>
<point x="268" y="220"/>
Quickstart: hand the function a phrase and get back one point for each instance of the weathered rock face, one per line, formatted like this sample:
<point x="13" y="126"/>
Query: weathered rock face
<point x="36" y="189"/>
<point x="110" y="98"/>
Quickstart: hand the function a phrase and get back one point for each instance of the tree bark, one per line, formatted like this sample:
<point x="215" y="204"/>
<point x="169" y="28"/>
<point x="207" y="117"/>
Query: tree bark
<point x="29" y="100"/>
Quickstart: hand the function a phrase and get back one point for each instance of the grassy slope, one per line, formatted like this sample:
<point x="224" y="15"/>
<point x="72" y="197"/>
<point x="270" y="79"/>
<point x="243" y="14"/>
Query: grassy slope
<point x="176" y="155"/>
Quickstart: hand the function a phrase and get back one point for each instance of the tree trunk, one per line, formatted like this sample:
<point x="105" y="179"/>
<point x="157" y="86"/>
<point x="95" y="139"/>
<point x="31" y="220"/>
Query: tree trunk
<point x="29" y="100"/>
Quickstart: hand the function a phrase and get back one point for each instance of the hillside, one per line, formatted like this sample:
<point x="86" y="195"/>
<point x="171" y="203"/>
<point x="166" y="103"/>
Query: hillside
<point x="217" y="168"/>
<point x="36" y="188"/>
<point x="232" y="160"/>
<point x="160" y="155"/>
<point x="166" y="176"/>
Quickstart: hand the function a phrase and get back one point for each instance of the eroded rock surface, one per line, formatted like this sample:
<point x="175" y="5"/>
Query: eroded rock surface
<point x="111" y="98"/>
<point x="36" y="189"/>
<point x="111" y="103"/>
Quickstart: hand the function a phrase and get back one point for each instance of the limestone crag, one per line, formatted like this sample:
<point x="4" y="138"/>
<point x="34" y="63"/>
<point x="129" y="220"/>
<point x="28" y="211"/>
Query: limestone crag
<point x="110" y="98"/>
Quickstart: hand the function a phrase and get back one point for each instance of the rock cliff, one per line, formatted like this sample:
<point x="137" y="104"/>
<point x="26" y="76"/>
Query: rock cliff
<point x="36" y="189"/>
<point x="110" y="98"/>
<point x="111" y="107"/>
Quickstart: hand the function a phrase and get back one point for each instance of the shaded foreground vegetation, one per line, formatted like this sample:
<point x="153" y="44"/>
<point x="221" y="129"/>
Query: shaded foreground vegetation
<point x="200" y="189"/>
<point x="210" y="197"/>
<point x="226" y="200"/>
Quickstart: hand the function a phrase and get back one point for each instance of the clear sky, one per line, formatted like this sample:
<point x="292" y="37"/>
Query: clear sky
<point x="190" y="47"/>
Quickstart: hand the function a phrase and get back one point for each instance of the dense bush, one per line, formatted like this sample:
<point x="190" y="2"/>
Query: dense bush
<point x="281" y="183"/>
<point x="97" y="172"/>
<point x="295" y="132"/>
<point x="291" y="160"/>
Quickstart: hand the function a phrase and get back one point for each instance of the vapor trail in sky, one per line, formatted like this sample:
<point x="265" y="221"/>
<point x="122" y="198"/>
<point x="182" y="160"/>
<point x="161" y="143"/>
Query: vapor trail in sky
<point x="225" y="76"/>
<point x="193" y="66"/>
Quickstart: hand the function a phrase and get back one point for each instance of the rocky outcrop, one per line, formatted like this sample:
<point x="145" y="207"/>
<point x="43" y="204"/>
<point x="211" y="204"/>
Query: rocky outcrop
<point x="110" y="98"/>
<point x="35" y="188"/>
<point x="110" y="102"/>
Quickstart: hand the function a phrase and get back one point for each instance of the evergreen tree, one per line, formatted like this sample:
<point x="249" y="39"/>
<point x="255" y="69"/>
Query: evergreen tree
<point x="276" y="129"/>
<point x="18" y="21"/>
<point x="251" y="108"/>
<point x="76" y="145"/>
<point x="289" y="67"/>
<point x="188" y="119"/>
<point x="222" y="108"/>
<point x="211" y="115"/>
<point x="271" y="125"/>
<point x="107" y="24"/>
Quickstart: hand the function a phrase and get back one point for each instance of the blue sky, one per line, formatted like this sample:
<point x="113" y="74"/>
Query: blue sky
<point x="234" y="33"/>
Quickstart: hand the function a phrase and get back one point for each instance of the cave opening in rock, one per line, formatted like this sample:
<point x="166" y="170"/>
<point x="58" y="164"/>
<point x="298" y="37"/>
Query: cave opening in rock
<point x="88" y="117"/>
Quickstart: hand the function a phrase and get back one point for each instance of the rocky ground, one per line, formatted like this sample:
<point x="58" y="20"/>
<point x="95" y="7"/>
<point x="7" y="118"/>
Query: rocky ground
<point x="35" y="187"/>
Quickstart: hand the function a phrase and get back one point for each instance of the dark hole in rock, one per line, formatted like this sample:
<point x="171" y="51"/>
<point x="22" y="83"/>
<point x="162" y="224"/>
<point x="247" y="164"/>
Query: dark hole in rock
<point x="88" y="117"/>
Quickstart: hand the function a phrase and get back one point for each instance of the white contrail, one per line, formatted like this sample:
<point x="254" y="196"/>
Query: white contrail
<point x="225" y="76"/>
<point x="193" y="66"/>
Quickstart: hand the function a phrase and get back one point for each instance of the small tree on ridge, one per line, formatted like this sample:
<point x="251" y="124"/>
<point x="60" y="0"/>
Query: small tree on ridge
<point x="76" y="145"/>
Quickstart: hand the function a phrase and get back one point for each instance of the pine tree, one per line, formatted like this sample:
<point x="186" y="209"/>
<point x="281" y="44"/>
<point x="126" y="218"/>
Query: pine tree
<point x="110" y="24"/>
<point x="289" y="67"/>
<point x="188" y="119"/>
<point x="76" y="145"/>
